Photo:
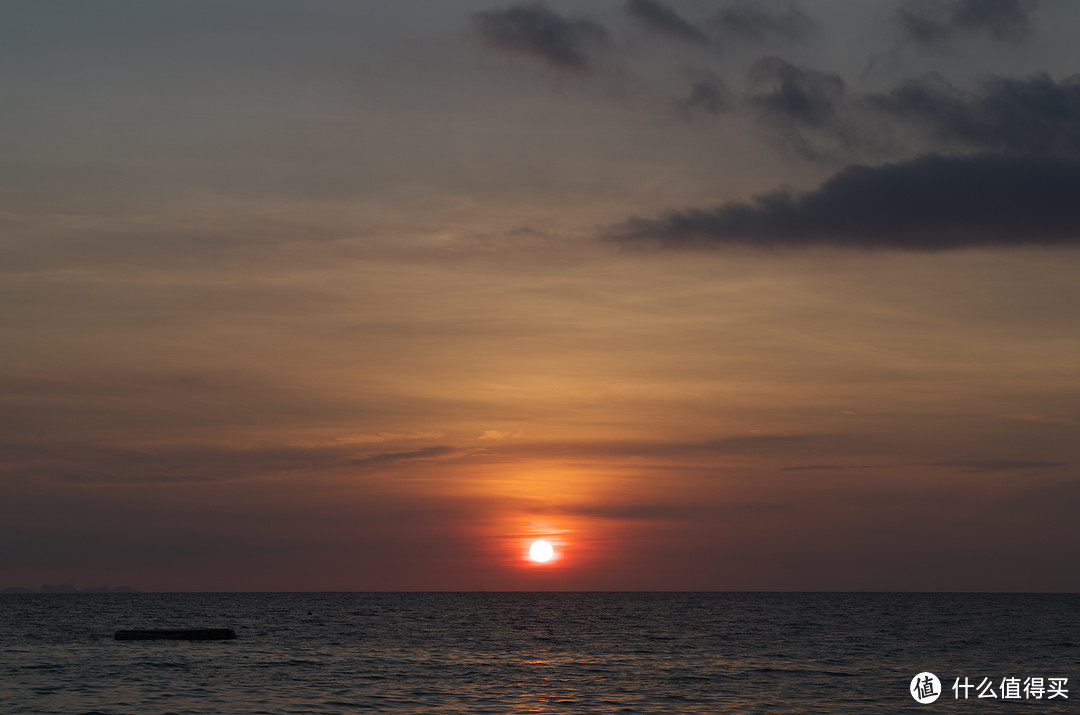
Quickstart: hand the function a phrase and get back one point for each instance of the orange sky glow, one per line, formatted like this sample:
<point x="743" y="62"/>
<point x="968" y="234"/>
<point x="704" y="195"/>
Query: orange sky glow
<point x="370" y="296"/>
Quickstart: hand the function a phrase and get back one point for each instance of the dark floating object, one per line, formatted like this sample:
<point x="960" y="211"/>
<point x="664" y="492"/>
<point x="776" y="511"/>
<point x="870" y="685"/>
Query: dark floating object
<point x="201" y="634"/>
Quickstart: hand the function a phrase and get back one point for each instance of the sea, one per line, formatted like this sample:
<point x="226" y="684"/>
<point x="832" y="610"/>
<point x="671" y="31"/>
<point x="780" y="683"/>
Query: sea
<point x="680" y="653"/>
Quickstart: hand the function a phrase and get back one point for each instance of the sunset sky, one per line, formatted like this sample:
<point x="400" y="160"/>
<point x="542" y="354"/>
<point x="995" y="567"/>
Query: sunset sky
<point x="710" y="294"/>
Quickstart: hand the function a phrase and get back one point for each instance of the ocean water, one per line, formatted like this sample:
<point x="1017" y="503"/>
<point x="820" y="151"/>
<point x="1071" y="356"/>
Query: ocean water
<point x="677" y="653"/>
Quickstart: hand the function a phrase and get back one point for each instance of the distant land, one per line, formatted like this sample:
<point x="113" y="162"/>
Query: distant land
<point x="67" y="588"/>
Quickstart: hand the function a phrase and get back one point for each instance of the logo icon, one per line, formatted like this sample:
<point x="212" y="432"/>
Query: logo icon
<point x="925" y="688"/>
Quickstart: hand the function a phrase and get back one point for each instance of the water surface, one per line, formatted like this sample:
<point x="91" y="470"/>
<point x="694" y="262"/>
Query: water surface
<point x="531" y="652"/>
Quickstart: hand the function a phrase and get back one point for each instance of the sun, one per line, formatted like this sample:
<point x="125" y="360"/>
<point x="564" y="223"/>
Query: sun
<point x="541" y="551"/>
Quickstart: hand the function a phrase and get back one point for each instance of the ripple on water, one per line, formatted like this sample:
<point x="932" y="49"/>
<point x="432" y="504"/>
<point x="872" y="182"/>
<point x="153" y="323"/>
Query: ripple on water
<point x="543" y="653"/>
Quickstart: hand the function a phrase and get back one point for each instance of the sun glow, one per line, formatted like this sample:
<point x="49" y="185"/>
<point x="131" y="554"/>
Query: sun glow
<point x="541" y="551"/>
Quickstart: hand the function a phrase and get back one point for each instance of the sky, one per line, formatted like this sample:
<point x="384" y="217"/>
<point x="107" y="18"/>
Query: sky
<point x="710" y="294"/>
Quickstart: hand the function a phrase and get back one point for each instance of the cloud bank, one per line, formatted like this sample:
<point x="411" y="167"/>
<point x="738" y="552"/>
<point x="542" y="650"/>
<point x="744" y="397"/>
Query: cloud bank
<point x="1018" y="188"/>
<point x="932" y="203"/>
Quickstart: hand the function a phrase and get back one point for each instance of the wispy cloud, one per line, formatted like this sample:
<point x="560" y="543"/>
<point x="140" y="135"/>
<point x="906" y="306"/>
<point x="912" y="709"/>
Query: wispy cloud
<point x="639" y="511"/>
<point x="932" y="22"/>
<point x="708" y="94"/>
<point x="826" y="467"/>
<point x="744" y="21"/>
<point x="534" y="29"/>
<point x="999" y="465"/>
<point x="757" y="21"/>
<point x="801" y="105"/>
<point x="1049" y="419"/>
<point x="383" y="459"/>
<point x="498" y="434"/>
<point x="77" y="463"/>
<point x="663" y="19"/>
<point x="773" y="445"/>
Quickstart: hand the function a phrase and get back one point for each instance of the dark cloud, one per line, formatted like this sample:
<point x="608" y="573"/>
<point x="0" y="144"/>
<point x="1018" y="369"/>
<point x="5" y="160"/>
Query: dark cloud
<point x="663" y="19"/>
<point x="537" y="30"/>
<point x="1018" y="191"/>
<point x="803" y="105"/>
<point x="755" y="21"/>
<point x="797" y="94"/>
<point x="1033" y="115"/>
<point x="813" y="114"/>
<point x="708" y="94"/>
<point x="927" y="204"/>
<point x="931" y="22"/>
<point x="1001" y="18"/>
<point x="741" y="21"/>
<point x="388" y="458"/>
<point x="920" y="26"/>
<point x="999" y="465"/>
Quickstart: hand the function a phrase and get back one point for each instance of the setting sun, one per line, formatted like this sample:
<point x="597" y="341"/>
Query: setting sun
<point x="541" y="551"/>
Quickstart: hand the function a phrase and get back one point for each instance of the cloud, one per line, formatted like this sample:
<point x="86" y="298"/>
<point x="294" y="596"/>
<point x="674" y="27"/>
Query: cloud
<point x="537" y="30"/>
<point x="498" y="434"/>
<point x="796" y="100"/>
<point x="389" y="458"/>
<point x="79" y="463"/>
<point x="771" y="445"/>
<point x="1049" y="419"/>
<point x="999" y="465"/>
<point x="75" y="463"/>
<point x="813" y="114"/>
<point x="797" y="94"/>
<point x="634" y="511"/>
<point x="931" y="203"/>
<point x="663" y="19"/>
<point x="755" y="21"/>
<point x="826" y="467"/>
<point x="931" y="22"/>
<point x="379" y="437"/>
<point x="1034" y="115"/>
<point x="1027" y="129"/>
<point x="708" y="94"/>
<point x="755" y="443"/>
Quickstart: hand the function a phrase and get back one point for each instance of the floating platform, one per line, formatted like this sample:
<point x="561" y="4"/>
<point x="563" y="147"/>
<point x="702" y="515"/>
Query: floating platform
<point x="198" y="634"/>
